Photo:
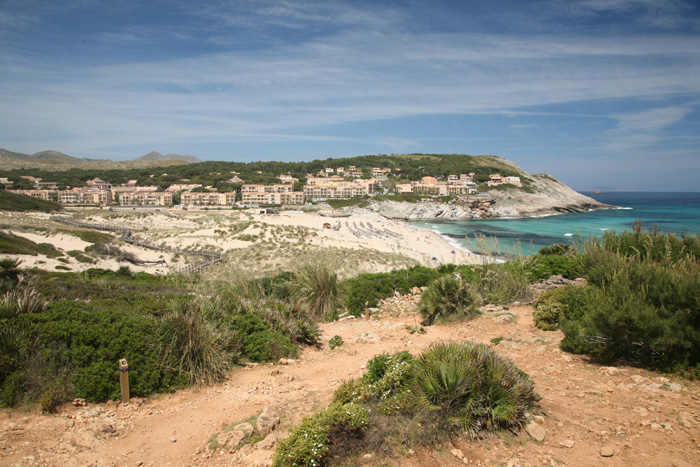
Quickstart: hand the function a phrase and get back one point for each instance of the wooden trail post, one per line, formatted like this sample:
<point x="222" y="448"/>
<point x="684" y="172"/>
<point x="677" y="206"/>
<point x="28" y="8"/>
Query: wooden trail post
<point x="124" y="380"/>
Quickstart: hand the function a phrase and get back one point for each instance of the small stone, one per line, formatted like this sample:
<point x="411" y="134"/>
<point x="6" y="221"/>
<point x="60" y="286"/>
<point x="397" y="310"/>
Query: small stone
<point x="535" y="431"/>
<point x="457" y="453"/>
<point x="173" y="439"/>
<point x="282" y="361"/>
<point x="367" y="456"/>
<point x="139" y="463"/>
<point x="567" y="443"/>
<point x="607" y="451"/>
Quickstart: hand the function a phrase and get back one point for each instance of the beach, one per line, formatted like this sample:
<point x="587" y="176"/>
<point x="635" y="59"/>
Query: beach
<point x="386" y="244"/>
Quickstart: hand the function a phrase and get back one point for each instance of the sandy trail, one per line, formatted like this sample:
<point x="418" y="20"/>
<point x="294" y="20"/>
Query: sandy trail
<point x="643" y="417"/>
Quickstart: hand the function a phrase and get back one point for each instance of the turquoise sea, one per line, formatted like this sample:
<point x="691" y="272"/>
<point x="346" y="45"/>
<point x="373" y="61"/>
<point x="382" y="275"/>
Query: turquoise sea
<point x="670" y="212"/>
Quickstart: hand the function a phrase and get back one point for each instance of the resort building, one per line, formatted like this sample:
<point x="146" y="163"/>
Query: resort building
<point x="85" y="197"/>
<point x="207" y="199"/>
<point x="98" y="184"/>
<point x="378" y="172"/>
<point x="271" y="194"/>
<point x="144" y="198"/>
<point x="354" y="172"/>
<point x="498" y="179"/>
<point x="288" y="179"/>
<point x="46" y="195"/>
<point x="316" y="190"/>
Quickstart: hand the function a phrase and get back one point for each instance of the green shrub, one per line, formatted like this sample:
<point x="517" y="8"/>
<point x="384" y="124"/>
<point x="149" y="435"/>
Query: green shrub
<point x="557" y="249"/>
<point x="191" y="347"/>
<point x="375" y="287"/>
<point x="503" y="283"/>
<point x="335" y="342"/>
<point x="309" y="443"/>
<point x="318" y="290"/>
<point x="80" y="256"/>
<point x="259" y="342"/>
<point x="642" y="302"/>
<point x="550" y="308"/>
<point x="446" y="297"/>
<point x="9" y="274"/>
<point x="470" y="387"/>
<point x="544" y="266"/>
<point x="92" y="342"/>
<point x="448" y="391"/>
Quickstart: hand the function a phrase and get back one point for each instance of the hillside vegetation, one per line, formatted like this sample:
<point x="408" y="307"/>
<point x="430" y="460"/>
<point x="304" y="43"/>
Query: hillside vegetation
<point x="212" y="173"/>
<point x="21" y="203"/>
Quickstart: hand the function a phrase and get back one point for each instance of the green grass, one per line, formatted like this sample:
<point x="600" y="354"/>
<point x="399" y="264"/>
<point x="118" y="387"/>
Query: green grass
<point x="15" y="245"/>
<point x="341" y="203"/>
<point x="90" y="236"/>
<point x="22" y="203"/>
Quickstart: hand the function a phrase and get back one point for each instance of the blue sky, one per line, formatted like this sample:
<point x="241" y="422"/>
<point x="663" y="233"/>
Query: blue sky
<point x="602" y="94"/>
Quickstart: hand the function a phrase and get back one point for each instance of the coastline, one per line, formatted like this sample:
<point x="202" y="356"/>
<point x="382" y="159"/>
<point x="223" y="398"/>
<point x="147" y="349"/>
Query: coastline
<point x="234" y="232"/>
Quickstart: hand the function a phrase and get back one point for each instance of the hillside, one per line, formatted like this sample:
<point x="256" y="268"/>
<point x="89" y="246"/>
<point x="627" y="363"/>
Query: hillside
<point x="58" y="161"/>
<point x="540" y="195"/>
<point x="156" y="156"/>
<point x="22" y="203"/>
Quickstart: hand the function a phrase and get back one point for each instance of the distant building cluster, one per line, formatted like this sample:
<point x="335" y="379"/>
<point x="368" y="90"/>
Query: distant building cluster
<point x="329" y="183"/>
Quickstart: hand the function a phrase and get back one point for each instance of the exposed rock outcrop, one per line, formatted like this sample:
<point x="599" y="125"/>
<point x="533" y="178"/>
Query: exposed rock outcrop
<point x="545" y="196"/>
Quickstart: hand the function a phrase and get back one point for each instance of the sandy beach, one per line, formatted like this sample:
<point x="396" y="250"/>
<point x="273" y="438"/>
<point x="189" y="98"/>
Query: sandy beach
<point x="389" y="243"/>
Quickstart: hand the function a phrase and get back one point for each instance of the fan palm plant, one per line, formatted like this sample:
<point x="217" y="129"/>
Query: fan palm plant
<point x="446" y="296"/>
<point x="468" y="386"/>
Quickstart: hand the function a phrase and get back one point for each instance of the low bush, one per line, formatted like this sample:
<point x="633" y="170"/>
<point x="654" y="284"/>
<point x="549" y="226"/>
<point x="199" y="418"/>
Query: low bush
<point x="318" y="290"/>
<point x="192" y="347"/>
<point x="312" y="442"/>
<point x="641" y="304"/>
<point x="539" y="267"/>
<point x="375" y="287"/>
<point x="259" y="342"/>
<point x="9" y="274"/>
<point x="335" y="342"/>
<point x="550" y="307"/>
<point x="501" y="284"/>
<point x="450" y="390"/>
<point x="470" y="387"/>
<point x="447" y="297"/>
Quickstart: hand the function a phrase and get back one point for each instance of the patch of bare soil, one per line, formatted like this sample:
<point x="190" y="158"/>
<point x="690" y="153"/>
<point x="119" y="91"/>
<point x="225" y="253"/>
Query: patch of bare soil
<point x="589" y="414"/>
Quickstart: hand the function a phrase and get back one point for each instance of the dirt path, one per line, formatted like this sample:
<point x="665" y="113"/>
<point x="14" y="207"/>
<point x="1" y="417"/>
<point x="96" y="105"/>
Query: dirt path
<point x="641" y="417"/>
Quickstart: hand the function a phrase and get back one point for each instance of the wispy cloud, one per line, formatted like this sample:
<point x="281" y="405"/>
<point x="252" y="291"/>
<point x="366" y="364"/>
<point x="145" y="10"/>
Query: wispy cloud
<point x="256" y="70"/>
<point x="642" y="129"/>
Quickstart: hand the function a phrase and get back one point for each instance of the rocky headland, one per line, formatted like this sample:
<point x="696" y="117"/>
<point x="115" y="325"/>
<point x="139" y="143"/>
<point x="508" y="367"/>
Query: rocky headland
<point x="544" y="196"/>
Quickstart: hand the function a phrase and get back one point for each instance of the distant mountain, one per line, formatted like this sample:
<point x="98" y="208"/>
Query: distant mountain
<point x="43" y="156"/>
<point x="54" y="160"/>
<point x="156" y="156"/>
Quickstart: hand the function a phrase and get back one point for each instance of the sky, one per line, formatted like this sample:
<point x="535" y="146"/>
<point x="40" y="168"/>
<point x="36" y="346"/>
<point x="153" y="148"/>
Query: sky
<point x="601" y="94"/>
